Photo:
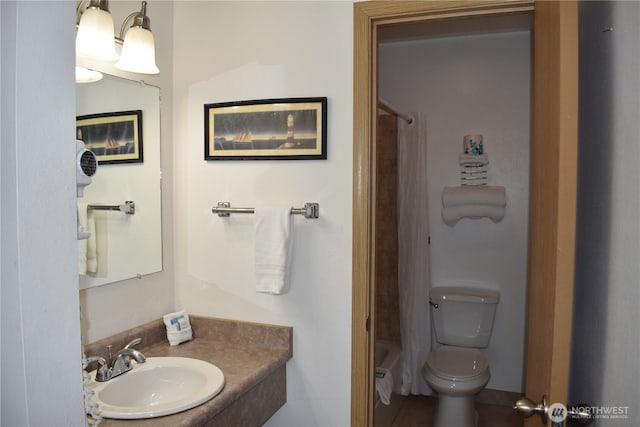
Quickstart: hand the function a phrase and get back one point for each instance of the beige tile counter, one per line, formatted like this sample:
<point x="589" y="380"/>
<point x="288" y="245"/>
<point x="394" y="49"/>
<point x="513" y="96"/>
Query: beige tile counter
<point x="252" y="357"/>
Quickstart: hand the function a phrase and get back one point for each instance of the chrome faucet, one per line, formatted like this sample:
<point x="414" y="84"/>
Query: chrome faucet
<point x="119" y="363"/>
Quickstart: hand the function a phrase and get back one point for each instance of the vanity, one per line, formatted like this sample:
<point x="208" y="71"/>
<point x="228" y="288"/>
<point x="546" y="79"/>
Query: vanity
<point x="252" y="357"/>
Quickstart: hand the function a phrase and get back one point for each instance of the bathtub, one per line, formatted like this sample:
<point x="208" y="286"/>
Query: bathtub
<point x="389" y="356"/>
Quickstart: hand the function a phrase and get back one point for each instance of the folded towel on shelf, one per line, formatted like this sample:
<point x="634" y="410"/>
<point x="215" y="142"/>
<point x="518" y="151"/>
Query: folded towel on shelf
<point x="384" y="385"/>
<point x="474" y="195"/>
<point x="453" y="214"/>
<point x="272" y="249"/>
<point x="467" y="159"/>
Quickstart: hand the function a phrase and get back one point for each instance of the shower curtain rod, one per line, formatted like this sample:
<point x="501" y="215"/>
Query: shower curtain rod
<point x="384" y="105"/>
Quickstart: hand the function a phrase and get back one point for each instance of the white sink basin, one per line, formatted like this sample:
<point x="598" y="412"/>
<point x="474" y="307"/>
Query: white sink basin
<point x="160" y="386"/>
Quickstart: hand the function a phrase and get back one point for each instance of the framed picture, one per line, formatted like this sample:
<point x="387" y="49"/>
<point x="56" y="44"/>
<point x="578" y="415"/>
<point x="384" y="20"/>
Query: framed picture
<point x="113" y="137"/>
<point x="276" y="129"/>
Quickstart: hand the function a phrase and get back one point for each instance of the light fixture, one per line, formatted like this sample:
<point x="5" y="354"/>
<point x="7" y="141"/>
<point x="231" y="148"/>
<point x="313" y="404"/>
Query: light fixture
<point x="138" y="50"/>
<point x="84" y="75"/>
<point x="95" y="38"/>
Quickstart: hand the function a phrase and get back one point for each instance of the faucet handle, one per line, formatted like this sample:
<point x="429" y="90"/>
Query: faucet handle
<point x="133" y="342"/>
<point x="102" y="373"/>
<point x="101" y="360"/>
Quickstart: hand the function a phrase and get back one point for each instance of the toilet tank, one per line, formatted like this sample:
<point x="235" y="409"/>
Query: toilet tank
<point x="464" y="316"/>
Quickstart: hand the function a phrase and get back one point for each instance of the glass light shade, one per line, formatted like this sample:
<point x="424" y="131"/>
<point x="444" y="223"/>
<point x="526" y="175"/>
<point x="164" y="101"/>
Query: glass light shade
<point x="84" y="75"/>
<point x="95" y="38"/>
<point x="138" y="52"/>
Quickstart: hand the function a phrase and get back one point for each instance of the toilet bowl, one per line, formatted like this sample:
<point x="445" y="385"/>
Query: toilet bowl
<point x="457" y="374"/>
<point x="457" y="370"/>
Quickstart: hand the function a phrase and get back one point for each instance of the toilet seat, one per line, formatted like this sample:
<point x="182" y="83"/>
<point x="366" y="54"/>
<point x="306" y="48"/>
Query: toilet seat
<point x="457" y="363"/>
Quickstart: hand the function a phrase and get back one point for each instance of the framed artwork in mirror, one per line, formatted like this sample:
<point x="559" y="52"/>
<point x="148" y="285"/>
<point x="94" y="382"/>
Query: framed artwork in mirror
<point x="274" y="129"/>
<point x="113" y="137"/>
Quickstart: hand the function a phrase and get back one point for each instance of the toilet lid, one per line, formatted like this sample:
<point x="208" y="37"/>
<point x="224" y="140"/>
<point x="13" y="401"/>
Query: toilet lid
<point x="457" y="363"/>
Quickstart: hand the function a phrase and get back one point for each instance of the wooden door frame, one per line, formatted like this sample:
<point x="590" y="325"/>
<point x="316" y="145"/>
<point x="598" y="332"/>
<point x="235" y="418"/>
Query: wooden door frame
<point x="552" y="202"/>
<point x="368" y="16"/>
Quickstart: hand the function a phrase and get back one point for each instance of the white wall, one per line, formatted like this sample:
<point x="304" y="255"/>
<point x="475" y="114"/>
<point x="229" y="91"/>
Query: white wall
<point x="232" y="51"/>
<point x="109" y="309"/>
<point x="606" y="342"/>
<point x="40" y="359"/>
<point x="474" y="85"/>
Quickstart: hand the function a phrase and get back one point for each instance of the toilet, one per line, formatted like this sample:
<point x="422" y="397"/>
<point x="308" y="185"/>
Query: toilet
<point x="457" y="370"/>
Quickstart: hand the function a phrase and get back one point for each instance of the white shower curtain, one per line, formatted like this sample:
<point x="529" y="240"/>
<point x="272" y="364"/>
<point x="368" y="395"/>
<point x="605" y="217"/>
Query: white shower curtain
<point x="413" y="252"/>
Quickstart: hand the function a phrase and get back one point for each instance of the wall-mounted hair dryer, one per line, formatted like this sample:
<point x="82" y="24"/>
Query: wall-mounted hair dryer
<point x="86" y="167"/>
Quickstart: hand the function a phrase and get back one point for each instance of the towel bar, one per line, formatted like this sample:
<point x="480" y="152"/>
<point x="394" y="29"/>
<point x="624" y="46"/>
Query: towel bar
<point x="128" y="207"/>
<point x="311" y="210"/>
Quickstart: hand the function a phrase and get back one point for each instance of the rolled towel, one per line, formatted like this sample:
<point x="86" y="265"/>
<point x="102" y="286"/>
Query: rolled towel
<point x="474" y="195"/>
<point x="384" y="385"/>
<point x="467" y="159"/>
<point x="453" y="214"/>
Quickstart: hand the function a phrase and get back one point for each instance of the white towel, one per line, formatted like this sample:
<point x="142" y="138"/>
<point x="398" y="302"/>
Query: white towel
<point x="87" y="253"/>
<point x="474" y="195"/>
<point x="272" y="249"/>
<point x="82" y="243"/>
<point x="92" y="243"/>
<point x="467" y="159"/>
<point x="384" y="385"/>
<point x="453" y="214"/>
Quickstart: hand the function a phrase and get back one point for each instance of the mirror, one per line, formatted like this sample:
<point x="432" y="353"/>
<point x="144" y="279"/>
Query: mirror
<point x="124" y="245"/>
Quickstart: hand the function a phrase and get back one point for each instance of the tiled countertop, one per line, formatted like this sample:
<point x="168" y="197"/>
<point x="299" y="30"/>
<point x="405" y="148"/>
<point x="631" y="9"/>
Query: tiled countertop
<point x="247" y="353"/>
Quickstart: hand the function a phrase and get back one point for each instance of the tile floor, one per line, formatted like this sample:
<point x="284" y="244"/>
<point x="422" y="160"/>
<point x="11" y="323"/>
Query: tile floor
<point x="417" y="411"/>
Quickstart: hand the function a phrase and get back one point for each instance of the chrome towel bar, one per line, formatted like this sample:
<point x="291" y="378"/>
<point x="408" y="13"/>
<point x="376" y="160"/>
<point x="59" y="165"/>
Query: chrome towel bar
<point x="128" y="207"/>
<point x="311" y="210"/>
